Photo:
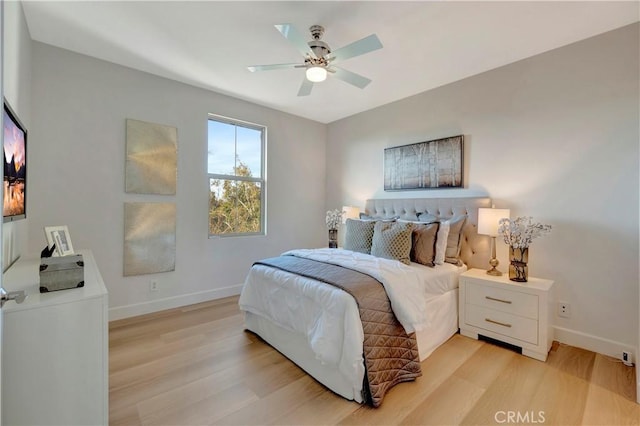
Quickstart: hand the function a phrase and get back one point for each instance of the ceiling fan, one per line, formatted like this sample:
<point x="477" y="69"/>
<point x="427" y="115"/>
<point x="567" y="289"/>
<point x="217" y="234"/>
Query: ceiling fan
<point x="319" y="59"/>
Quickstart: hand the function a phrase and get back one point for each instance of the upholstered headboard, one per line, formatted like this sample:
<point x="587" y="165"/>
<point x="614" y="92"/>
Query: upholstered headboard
<point x="475" y="250"/>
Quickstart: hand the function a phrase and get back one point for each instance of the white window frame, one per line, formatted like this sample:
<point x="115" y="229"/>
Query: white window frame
<point x="262" y="179"/>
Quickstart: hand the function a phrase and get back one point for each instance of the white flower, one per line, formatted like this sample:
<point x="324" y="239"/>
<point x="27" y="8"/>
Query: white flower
<point x="334" y="218"/>
<point x="519" y="233"/>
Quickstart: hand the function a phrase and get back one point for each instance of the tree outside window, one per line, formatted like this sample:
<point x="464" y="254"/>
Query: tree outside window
<point x="236" y="177"/>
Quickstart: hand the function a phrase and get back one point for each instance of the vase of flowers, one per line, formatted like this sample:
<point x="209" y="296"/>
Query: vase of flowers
<point x="333" y="220"/>
<point x="518" y="234"/>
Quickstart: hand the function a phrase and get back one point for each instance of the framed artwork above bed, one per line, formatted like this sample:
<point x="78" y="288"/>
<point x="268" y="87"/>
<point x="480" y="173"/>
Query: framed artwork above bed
<point x="425" y="165"/>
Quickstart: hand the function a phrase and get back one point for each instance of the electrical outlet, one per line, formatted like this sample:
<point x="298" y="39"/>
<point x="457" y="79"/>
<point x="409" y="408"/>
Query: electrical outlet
<point x="564" y="310"/>
<point x="627" y="358"/>
<point x="153" y="285"/>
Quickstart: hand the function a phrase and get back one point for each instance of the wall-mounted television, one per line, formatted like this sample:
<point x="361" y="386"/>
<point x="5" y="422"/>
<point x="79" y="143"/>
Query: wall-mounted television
<point x="15" y="166"/>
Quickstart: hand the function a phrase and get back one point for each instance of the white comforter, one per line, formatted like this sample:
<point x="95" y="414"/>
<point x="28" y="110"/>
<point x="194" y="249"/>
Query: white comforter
<point x="328" y="316"/>
<point x="402" y="284"/>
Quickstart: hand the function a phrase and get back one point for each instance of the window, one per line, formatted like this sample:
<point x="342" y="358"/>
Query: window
<point x="236" y="165"/>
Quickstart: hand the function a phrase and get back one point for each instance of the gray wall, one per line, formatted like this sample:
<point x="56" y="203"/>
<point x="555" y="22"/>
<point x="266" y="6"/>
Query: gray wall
<point x="555" y="137"/>
<point x="76" y="163"/>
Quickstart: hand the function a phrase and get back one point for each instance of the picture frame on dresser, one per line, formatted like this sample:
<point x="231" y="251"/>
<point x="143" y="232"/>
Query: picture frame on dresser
<point x="59" y="235"/>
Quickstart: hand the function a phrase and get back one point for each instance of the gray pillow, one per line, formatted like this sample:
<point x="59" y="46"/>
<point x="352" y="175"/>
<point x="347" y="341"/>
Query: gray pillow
<point x="392" y="240"/>
<point x="358" y="235"/>
<point x="454" y="240"/>
<point x="423" y="243"/>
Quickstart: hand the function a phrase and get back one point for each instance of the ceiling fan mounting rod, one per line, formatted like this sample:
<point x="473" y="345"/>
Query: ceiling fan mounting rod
<point x="316" y="31"/>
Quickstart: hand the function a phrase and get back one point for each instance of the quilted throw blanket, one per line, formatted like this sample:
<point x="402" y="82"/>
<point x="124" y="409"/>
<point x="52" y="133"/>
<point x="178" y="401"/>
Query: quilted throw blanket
<point x="390" y="354"/>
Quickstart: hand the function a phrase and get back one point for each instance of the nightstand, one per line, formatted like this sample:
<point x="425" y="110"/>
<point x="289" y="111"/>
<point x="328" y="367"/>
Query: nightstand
<point x="508" y="311"/>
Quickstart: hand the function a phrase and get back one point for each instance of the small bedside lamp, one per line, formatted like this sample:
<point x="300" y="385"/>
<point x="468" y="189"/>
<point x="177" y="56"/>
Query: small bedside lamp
<point x="350" y="212"/>
<point x="488" y="225"/>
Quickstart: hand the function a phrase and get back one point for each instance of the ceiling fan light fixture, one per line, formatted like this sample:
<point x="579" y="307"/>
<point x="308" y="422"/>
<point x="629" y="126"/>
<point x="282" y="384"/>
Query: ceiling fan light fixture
<point x="316" y="74"/>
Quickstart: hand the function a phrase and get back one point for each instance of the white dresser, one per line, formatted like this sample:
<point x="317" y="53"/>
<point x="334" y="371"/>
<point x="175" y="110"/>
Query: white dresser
<point x="55" y="350"/>
<point x="508" y="311"/>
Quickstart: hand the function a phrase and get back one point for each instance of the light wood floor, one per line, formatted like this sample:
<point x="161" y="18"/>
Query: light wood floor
<point x="196" y="365"/>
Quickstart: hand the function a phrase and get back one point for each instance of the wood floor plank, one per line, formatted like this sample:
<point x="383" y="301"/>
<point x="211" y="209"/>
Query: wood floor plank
<point x="611" y="374"/>
<point x="278" y="375"/>
<point x="439" y="408"/>
<point x="611" y="397"/>
<point x="142" y="390"/>
<point x="512" y="390"/>
<point x="325" y="409"/>
<point x="563" y="390"/>
<point x="123" y="357"/>
<point x="124" y="415"/>
<point x="404" y="397"/>
<point x="561" y="398"/>
<point x="485" y="365"/>
<point x="165" y="324"/>
<point x="234" y="350"/>
<point x="135" y="392"/>
<point x="196" y="365"/>
<point x="205" y="411"/>
<point x="468" y="383"/>
<point x="281" y="402"/>
<point x="573" y="361"/>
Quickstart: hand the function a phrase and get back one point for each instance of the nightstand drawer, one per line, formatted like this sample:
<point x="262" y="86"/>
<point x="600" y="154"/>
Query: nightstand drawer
<point x="517" y="327"/>
<point x="504" y="300"/>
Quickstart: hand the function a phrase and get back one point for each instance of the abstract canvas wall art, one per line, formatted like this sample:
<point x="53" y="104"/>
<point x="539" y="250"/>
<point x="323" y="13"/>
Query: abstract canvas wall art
<point x="425" y="165"/>
<point x="151" y="163"/>
<point x="149" y="238"/>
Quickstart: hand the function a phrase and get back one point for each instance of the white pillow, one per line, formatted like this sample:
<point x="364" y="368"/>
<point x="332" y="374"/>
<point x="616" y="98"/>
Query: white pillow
<point x="441" y="242"/>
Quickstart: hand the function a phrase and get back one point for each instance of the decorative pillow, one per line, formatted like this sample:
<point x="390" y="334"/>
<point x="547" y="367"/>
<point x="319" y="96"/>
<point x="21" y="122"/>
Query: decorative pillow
<point x="427" y="217"/>
<point x="358" y="235"/>
<point x="441" y="243"/>
<point x="392" y="240"/>
<point x="454" y="239"/>
<point x="423" y="244"/>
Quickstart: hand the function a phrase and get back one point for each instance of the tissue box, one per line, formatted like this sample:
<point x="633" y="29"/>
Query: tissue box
<point x="60" y="273"/>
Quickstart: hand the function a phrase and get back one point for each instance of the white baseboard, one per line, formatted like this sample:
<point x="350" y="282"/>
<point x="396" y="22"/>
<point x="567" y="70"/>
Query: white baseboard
<point x="593" y="343"/>
<point x="121" y="312"/>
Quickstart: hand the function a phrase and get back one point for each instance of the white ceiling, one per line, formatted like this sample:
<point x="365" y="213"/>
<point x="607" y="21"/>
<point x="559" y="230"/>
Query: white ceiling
<point x="426" y="44"/>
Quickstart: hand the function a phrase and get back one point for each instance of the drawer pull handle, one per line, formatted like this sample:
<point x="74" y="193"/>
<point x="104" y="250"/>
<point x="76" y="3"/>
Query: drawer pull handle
<point x="498" y="300"/>
<point x="497" y="322"/>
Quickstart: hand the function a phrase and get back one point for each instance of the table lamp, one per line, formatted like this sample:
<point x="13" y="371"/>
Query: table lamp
<point x="350" y="212"/>
<point x="488" y="225"/>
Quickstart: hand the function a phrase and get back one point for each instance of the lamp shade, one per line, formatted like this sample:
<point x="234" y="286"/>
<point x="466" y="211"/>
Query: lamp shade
<point x="350" y="212"/>
<point x="316" y="74"/>
<point x="488" y="220"/>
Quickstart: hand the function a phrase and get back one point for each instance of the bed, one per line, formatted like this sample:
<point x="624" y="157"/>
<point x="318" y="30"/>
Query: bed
<point x="318" y="326"/>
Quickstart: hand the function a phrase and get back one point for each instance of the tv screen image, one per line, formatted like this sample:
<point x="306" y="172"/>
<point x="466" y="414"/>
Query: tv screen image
<point x="15" y="166"/>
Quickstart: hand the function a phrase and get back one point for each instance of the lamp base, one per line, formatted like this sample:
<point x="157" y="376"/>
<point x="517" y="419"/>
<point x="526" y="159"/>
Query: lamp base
<point x="493" y="271"/>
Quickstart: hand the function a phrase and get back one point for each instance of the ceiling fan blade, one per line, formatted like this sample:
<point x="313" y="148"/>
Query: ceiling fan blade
<point x="254" y="68"/>
<point x="295" y="38"/>
<point x="351" y="77"/>
<point x="360" y="47"/>
<point x="305" y="88"/>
